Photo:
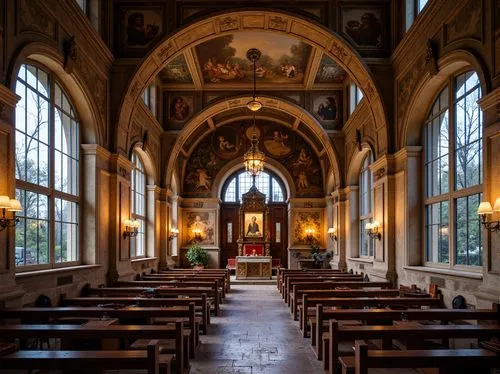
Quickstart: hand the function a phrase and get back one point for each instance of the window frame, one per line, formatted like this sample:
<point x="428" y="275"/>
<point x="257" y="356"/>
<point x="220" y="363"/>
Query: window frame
<point x="50" y="191"/>
<point x="149" y="98"/>
<point x="453" y="194"/>
<point x="363" y="219"/>
<point x="235" y="177"/>
<point x="133" y="214"/>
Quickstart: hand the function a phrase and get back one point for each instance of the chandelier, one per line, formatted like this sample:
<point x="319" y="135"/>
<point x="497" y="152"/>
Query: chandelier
<point x="254" y="158"/>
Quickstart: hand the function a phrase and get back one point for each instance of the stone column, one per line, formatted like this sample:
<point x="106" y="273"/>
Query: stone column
<point x="339" y="222"/>
<point x="10" y="293"/>
<point x="175" y="222"/>
<point x="152" y="221"/>
<point x="352" y="222"/>
<point x="489" y="291"/>
<point x="164" y="226"/>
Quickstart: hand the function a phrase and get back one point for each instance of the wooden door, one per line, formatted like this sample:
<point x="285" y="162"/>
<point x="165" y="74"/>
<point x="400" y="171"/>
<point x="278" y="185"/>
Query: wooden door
<point x="229" y="226"/>
<point x="278" y="226"/>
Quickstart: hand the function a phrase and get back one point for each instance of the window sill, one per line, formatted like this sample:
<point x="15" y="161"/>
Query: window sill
<point x="360" y="259"/>
<point x="34" y="273"/>
<point x="450" y="272"/>
<point x="143" y="259"/>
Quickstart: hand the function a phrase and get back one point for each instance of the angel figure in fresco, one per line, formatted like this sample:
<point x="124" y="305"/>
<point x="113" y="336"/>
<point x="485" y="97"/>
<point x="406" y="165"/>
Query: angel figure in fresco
<point x="303" y="161"/>
<point x="302" y="182"/>
<point x="203" y="179"/>
<point x="224" y="144"/>
<point x="277" y="145"/>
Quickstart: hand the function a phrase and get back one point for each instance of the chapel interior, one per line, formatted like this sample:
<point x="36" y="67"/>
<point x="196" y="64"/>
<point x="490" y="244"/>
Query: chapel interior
<point x="335" y="164"/>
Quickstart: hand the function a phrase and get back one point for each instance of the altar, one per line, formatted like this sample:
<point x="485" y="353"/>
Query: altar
<point x="253" y="267"/>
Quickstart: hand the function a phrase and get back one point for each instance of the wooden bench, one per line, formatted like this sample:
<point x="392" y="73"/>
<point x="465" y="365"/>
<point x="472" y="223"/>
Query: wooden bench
<point x="308" y="307"/>
<point x="290" y="279"/>
<point x="201" y="305"/>
<point x="188" y="279"/>
<point x="318" y="324"/>
<point x="225" y="272"/>
<point x="338" y="333"/>
<point x="342" y="293"/>
<point x="175" y="283"/>
<point x="282" y="272"/>
<point x="475" y="360"/>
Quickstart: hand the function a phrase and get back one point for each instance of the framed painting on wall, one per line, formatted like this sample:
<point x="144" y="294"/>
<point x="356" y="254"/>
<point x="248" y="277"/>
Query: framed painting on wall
<point x="327" y="108"/>
<point x="137" y="28"/>
<point x="254" y="224"/>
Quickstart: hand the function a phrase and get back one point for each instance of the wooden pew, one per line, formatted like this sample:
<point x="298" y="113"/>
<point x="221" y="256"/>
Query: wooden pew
<point x="282" y="272"/>
<point x="122" y="332"/>
<point x="475" y="360"/>
<point x="335" y="278"/>
<point x="221" y="278"/>
<point x="151" y="360"/>
<point x="387" y="316"/>
<point x="387" y="333"/>
<point x="125" y="315"/>
<point x="188" y="280"/>
<point x="225" y="272"/>
<point x="360" y="302"/>
<point x="199" y="302"/>
<point x="174" y="283"/>
<point x="330" y="288"/>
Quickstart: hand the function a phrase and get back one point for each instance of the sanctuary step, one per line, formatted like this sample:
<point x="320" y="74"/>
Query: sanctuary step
<point x="260" y="282"/>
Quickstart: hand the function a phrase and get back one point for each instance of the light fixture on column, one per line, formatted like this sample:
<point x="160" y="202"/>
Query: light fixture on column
<point x="310" y="234"/>
<point x="484" y="210"/>
<point x="332" y="233"/>
<point x="9" y="205"/>
<point x="254" y="158"/>
<point x="174" y="233"/>
<point x="131" y="228"/>
<point x="197" y="233"/>
<point x="372" y="229"/>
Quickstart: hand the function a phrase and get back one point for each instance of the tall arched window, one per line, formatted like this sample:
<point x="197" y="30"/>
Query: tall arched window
<point x="265" y="182"/>
<point x="138" y="207"/>
<point x="47" y="171"/>
<point x="453" y="174"/>
<point x="365" y="206"/>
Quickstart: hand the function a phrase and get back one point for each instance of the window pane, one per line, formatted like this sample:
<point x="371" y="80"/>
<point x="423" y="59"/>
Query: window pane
<point x="365" y="241"/>
<point x="66" y="223"/>
<point x="229" y="232"/>
<point x="468" y="231"/>
<point x="278" y="195"/>
<point x="437" y="232"/>
<point x="421" y="4"/>
<point x="138" y="206"/>
<point x="231" y="192"/>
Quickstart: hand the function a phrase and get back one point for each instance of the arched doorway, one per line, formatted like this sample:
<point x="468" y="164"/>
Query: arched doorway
<point x="238" y="183"/>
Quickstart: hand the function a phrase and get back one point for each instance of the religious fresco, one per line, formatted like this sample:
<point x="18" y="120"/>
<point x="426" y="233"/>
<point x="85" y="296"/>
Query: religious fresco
<point x="329" y="71"/>
<point x="223" y="60"/>
<point x="232" y="141"/>
<point x="307" y="220"/>
<point x="180" y="108"/>
<point x="138" y="28"/>
<point x="202" y="221"/>
<point x="365" y="27"/>
<point x="327" y="108"/>
<point x="176" y="72"/>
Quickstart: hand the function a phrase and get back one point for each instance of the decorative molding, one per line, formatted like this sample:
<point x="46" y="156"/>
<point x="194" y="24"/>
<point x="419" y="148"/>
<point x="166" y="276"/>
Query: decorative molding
<point x="70" y="54"/>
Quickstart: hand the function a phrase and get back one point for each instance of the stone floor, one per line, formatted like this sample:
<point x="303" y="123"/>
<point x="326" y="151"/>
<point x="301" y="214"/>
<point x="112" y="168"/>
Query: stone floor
<point x="255" y="334"/>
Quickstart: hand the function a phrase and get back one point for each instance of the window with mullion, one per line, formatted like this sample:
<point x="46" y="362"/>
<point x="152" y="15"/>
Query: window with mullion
<point x="365" y="207"/>
<point x="138" y="207"/>
<point x="46" y="168"/>
<point x="453" y="139"/>
<point x="241" y="182"/>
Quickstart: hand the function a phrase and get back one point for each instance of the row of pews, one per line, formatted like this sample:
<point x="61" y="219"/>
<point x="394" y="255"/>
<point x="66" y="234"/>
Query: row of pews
<point x="152" y="323"/>
<point x="354" y="325"/>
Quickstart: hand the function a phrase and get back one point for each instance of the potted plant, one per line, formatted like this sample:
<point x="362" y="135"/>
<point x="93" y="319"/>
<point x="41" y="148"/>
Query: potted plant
<point x="321" y="260"/>
<point x="197" y="256"/>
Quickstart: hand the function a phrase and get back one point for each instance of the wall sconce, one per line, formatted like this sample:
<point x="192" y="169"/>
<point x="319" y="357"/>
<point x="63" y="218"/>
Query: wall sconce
<point x="9" y="205"/>
<point x="372" y="229"/>
<point x="310" y="234"/>
<point x="174" y="233"/>
<point x="131" y="228"/>
<point x="485" y="210"/>
<point x="332" y="233"/>
<point x="196" y="233"/>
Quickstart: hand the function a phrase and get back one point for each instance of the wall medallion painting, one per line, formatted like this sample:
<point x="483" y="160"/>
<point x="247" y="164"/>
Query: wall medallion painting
<point x="254" y="224"/>
<point x="179" y="109"/>
<point x="204" y="223"/>
<point x="366" y="28"/>
<point x="138" y="28"/>
<point x="327" y="108"/>
<point x="230" y="141"/>
<point x="223" y="60"/>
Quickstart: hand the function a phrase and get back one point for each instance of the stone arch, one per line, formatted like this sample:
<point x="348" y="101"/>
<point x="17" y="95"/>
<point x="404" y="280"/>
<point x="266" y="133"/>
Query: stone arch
<point x="300" y="115"/>
<point x="91" y="122"/>
<point x="235" y="165"/>
<point x="356" y="164"/>
<point x="255" y="20"/>
<point x="429" y="86"/>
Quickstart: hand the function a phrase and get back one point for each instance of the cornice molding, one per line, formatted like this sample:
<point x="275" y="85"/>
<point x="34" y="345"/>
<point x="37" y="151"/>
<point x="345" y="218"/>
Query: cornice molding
<point x="95" y="149"/>
<point x="8" y="97"/>
<point x="491" y="101"/>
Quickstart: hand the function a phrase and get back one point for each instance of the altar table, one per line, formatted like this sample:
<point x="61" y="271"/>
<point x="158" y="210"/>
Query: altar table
<point x="253" y="267"/>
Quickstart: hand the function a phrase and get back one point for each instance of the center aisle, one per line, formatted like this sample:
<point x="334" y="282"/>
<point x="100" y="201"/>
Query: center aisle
<point x="254" y="334"/>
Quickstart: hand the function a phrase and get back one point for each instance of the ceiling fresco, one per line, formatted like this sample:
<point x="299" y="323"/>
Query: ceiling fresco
<point x="223" y="60"/>
<point x="177" y="72"/>
<point x="329" y="71"/>
<point x="231" y="141"/>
